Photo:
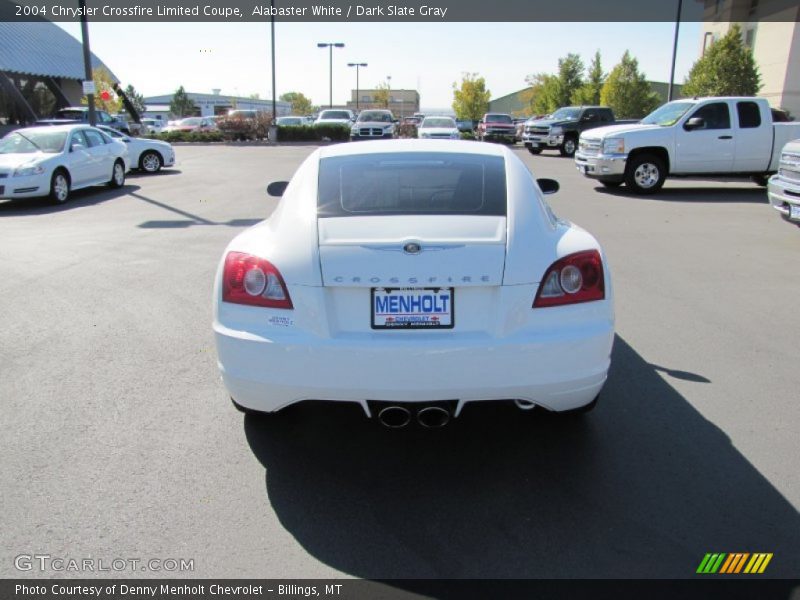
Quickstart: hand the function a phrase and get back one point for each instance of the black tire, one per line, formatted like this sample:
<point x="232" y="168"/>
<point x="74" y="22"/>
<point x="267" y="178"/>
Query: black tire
<point x="645" y="174"/>
<point x="760" y="180"/>
<point x="117" y="175"/>
<point x="59" y="187"/>
<point x="569" y="147"/>
<point x="533" y="150"/>
<point x="610" y="183"/>
<point x="150" y="162"/>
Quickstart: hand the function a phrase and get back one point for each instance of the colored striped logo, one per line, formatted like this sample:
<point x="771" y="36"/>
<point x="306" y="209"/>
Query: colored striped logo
<point x="734" y="563"/>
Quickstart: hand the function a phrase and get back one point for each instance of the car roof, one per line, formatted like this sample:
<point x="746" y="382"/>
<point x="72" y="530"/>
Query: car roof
<point x="413" y="145"/>
<point x="65" y="127"/>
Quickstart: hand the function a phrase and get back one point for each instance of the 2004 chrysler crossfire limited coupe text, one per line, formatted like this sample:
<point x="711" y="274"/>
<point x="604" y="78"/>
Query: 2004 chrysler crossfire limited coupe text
<point x="413" y="277"/>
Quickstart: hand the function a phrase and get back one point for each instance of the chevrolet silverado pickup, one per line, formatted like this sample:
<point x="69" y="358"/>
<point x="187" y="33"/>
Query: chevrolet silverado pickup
<point x="784" y="187"/>
<point x="561" y="130"/>
<point x="496" y="126"/>
<point x="691" y="137"/>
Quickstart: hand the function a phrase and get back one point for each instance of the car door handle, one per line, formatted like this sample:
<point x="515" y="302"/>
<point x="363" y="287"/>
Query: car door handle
<point x="725" y="137"/>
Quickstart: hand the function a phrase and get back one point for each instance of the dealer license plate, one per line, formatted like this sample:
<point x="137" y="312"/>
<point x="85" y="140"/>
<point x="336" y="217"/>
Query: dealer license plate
<point x="412" y="308"/>
<point x="794" y="212"/>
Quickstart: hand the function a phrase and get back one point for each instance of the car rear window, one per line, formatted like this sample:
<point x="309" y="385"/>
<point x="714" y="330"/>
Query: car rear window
<point x="435" y="183"/>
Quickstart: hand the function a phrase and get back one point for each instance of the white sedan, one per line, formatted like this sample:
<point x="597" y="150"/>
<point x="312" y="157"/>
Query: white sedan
<point x="145" y="154"/>
<point x="444" y="128"/>
<point x="414" y="277"/>
<point x="54" y="160"/>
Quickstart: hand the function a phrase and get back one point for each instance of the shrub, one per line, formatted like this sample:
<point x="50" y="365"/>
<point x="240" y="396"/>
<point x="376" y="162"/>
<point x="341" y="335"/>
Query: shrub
<point x="407" y="130"/>
<point x="467" y="135"/>
<point x="187" y="136"/>
<point x="333" y="132"/>
<point x="297" y="133"/>
<point x="244" y="128"/>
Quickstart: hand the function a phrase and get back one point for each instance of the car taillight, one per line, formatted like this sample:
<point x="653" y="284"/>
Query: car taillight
<point x="574" y="278"/>
<point x="247" y="279"/>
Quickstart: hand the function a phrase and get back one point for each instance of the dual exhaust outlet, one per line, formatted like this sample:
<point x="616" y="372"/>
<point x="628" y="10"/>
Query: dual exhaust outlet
<point x="430" y="417"/>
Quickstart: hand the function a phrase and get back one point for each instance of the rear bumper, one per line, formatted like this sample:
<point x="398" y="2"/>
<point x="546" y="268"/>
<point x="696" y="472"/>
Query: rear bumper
<point x="559" y="369"/>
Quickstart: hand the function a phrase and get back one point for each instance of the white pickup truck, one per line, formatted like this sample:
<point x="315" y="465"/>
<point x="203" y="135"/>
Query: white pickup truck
<point x="691" y="137"/>
<point x="784" y="187"/>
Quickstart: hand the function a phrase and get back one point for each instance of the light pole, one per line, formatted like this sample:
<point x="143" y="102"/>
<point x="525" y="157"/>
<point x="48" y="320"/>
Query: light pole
<point x="674" y="51"/>
<point x="357" y="65"/>
<point x="388" y="91"/>
<point x="330" y="45"/>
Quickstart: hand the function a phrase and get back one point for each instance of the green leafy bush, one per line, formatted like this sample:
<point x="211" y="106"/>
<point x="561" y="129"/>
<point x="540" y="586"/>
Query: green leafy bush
<point x="333" y="132"/>
<point x="297" y="133"/>
<point x="467" y="135"/>
<point x="187" y="136"/>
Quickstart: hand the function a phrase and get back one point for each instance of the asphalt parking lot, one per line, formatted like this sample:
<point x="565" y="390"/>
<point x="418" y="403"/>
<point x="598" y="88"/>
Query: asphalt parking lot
<point x="118" y="439"/>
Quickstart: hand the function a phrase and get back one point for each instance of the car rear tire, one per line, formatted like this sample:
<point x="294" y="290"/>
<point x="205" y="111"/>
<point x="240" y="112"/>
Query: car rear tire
<point x="150" y="162"/>
<point x="534" y="150"/>
<point x="251" y="412"/>
<point x="59" y="187"/>
<point x="569" y="147"/>
<point x="117" y="175"/>
<point x="645" y="174"/>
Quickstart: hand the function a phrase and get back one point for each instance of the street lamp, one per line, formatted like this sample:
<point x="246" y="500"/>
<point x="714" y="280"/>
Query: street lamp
<point x="330" y="45"/>
<point x="357" y="65"/>
<point x="388" y="91"/>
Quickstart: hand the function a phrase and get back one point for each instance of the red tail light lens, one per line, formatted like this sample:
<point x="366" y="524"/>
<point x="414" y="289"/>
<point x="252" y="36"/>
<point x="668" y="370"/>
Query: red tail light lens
<point x="575" y="278"/>
<point x="247" y="279"/>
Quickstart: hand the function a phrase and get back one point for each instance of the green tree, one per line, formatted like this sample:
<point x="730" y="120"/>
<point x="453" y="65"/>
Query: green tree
<point x="300" y="104"/>
<point x="589" y="92"/>
<point x="381" y="96"/>
<point x="627" y="91"/>
<point x="470" y="98"/>
<point x="543" y="93"/>
<point x="569" y="78"/>
<point x="104" y="98"/>
<point x="726" y="69"/>
<point x="136" y="99"/>
<point x="181" y="105"/>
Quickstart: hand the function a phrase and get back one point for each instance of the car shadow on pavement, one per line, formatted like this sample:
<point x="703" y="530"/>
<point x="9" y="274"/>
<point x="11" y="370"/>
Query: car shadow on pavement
<point x="642" y="487"/>
<point x="697" y="195"/>
<point x="78" y="198"/>
<point x="166" y="172"/>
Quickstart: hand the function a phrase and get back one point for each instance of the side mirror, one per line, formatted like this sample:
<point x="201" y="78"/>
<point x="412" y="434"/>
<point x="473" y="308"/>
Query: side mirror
<point x="276" y="188"/>
<point x="76" y="146"/>
<point x="695" y="123"/>
<point x="548" y="186"/>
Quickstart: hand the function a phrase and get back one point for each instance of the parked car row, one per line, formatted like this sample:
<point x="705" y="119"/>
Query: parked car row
<point x="53" y="160"/>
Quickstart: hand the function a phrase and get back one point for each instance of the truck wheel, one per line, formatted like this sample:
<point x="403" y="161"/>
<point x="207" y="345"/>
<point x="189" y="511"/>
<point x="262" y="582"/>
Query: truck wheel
<point x="760" y="180"/>
<point x="534" y="150"/>
<point x="569" y="147"/>
<point x="645" y="174"/>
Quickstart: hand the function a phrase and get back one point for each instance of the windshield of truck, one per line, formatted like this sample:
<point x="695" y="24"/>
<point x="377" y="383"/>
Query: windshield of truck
<point x="566" y="114"/>
<point x="499" y="119"/>
<point x="668" y="114"/>
<point x="50" y="142"/>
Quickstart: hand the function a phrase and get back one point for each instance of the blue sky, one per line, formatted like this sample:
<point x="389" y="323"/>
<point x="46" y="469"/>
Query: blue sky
<point x="156" y="58"/>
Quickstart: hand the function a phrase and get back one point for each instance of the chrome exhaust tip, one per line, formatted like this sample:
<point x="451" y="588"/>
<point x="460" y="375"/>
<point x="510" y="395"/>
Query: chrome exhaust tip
<point x="432" y="417"/>
<point x="394" y="417"/>
<point x="525" y="404"/>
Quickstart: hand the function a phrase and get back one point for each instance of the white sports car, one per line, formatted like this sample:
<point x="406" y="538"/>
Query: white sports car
<point x="145" y="154"/>
<point x="414" y="277"/>
<point x="53" y="160"/>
